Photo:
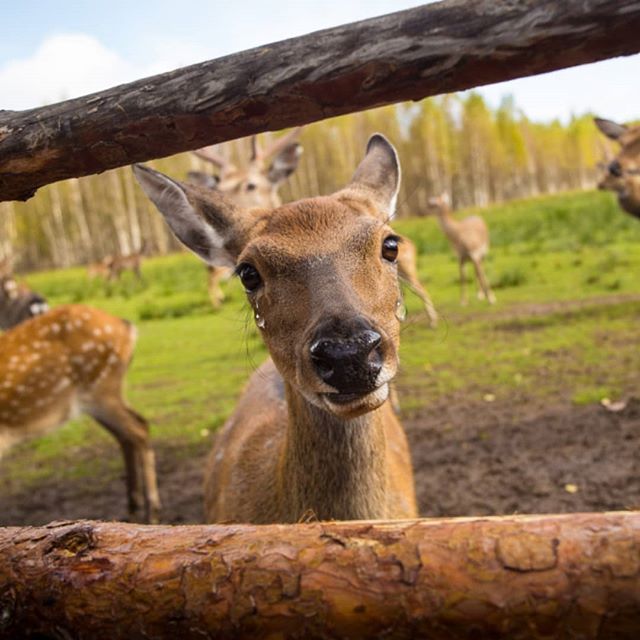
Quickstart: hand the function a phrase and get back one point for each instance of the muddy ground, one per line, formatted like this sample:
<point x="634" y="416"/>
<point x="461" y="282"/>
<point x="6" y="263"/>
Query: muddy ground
<point x="514" y="457"/>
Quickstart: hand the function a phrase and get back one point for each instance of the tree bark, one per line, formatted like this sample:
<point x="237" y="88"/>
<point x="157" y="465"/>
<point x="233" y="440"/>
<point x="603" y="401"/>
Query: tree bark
<point x="567" y="576"/>
<point x="437" y="48"/>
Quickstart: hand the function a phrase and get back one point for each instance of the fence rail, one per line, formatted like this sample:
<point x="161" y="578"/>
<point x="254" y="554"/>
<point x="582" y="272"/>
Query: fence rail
<point x="433" y="49"/>
<point x="554" y="576"/>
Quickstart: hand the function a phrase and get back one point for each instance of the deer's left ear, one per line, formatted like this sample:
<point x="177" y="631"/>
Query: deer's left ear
<point x="610" y="128"/>
<point x="203" y="220"/>
<point x="378" y="175"/>
<point x="285" y="163"/>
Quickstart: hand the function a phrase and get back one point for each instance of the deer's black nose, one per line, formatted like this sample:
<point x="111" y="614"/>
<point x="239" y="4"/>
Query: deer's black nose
<point x="615" y="169"/>
<point x="347" y="355"/>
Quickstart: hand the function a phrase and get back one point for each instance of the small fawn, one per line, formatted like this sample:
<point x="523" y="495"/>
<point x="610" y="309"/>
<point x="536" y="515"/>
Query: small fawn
<point x="314" y="431"/>
<point x="73" y="360"/>
<point x="469" y="238"/>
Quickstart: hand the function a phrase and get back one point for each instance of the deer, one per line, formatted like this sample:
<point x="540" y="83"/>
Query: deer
<point x="257" y="184"/>
<point x="100" y="269"/>
<point x="314" y="431"/>
<point x="469" y="239"/>
<point x="18" y="303"/>
<point x="622" y="174"/>
<point x="131" y="262"/>
<point x="71" y="360"/>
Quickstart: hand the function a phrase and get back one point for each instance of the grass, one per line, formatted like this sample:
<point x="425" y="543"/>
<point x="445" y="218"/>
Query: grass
<point x="564" y="269"/>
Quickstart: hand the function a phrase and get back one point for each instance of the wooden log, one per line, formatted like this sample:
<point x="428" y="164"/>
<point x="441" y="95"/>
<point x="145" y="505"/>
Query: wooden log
<point x="558" y="576"/>
<point x="437" y="48"/>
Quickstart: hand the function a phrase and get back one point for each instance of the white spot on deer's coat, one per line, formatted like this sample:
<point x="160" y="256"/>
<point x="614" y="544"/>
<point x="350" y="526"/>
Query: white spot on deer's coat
<point x="61" y="386"/>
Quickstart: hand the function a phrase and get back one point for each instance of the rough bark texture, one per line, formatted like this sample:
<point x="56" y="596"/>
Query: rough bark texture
<point x="569" y="576"/>
<point x="448" y="46"/>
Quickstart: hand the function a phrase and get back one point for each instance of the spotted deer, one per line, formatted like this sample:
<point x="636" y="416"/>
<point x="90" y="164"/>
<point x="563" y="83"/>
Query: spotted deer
<point x="469" y="238"/>
<point x="313" y="432"/>
<point x="622" y="174"/>
<point x="68" y="361"/>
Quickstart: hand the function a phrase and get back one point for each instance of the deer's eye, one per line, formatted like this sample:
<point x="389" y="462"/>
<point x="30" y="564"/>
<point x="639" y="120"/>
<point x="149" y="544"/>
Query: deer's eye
<point x="249" y="276"/>
<point x="251" y="186"/>
<point x="390" y="248"/>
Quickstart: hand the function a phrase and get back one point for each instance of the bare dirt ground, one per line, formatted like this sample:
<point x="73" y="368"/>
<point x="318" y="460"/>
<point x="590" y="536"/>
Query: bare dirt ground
<point x="519" y="457"/>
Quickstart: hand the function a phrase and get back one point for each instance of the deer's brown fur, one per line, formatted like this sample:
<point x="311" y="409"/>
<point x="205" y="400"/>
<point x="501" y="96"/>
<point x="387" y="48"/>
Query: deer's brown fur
<point x="298" y="444"/>
<point x="622" y="174"/>
<point x="73" y="360"/>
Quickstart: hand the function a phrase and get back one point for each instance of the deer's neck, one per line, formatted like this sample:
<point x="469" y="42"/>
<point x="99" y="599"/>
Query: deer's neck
<point x="333" y="468"/>
<point x="448" y="223"/>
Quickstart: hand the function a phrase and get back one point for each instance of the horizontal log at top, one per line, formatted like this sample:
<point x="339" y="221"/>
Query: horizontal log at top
<point x="566" y="576"/>
<point x="437" y="48"/>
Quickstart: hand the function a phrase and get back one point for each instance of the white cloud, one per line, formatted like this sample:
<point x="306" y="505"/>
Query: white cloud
<point x="64" y="66"/>
<point x="70" y="65"/>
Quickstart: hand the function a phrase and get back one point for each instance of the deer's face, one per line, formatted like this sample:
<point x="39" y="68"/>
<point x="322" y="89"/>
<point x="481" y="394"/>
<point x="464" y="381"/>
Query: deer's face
<point x="322" y="280"/>
<point x="256" y="181"/>
<point x="18" y="303"/>
<point x="250" y="187"/>
<point x="622" y="173"/>
<point x="320" y="275"/>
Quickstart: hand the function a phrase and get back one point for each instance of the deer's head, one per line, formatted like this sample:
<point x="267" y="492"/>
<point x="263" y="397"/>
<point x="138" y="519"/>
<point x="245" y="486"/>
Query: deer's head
<point x="18" y="303"/>
<point x="438" y="204"/>
<point x="320" y="275"/>
<point x="256" y="182"/>
<point x="622" y="172"/>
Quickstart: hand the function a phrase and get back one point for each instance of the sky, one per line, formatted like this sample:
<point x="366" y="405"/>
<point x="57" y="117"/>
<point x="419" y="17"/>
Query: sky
<point x="54" y="50"/>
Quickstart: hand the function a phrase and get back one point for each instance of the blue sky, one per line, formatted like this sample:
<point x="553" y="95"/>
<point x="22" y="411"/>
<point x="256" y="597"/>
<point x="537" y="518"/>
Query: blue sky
<point x="55" y="50"/>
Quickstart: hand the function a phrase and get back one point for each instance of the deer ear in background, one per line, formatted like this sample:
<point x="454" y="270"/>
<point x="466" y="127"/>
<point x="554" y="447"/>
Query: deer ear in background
<point x="285" y="163"/>
<point x="611" y="129"/>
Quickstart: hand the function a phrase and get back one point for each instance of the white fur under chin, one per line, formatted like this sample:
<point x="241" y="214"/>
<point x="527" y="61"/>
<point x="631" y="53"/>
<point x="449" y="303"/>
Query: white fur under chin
<point x="358" y="407"/>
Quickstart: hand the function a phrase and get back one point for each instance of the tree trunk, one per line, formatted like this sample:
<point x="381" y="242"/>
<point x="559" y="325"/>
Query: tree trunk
<point x="567" y="576"/>
<point x="437" y="48"/>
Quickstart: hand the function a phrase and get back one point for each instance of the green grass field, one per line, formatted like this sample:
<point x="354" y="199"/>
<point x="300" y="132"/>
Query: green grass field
<point x="565" y="270"/>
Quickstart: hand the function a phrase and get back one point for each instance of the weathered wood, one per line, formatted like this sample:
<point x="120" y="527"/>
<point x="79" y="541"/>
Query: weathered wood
<point x="568" y="576"/>
<point x="448" y="46"/>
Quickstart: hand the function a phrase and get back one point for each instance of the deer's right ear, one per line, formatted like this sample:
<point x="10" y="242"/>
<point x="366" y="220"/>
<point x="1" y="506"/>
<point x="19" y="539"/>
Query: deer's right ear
<point x="378" y="175"/>
<point x="204" y="222"/>
<point x="610" y="128"/>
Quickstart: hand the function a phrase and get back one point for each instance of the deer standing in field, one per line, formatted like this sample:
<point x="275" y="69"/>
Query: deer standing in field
<point x="314" y="431"/>
<point x="131" y="262"/>
<point x="469" y="238"/>
<point x="67" y="361"/>
<point x="623" y="172"/>
<point x="18" y="303"/>
<point x="100" y="269"/>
